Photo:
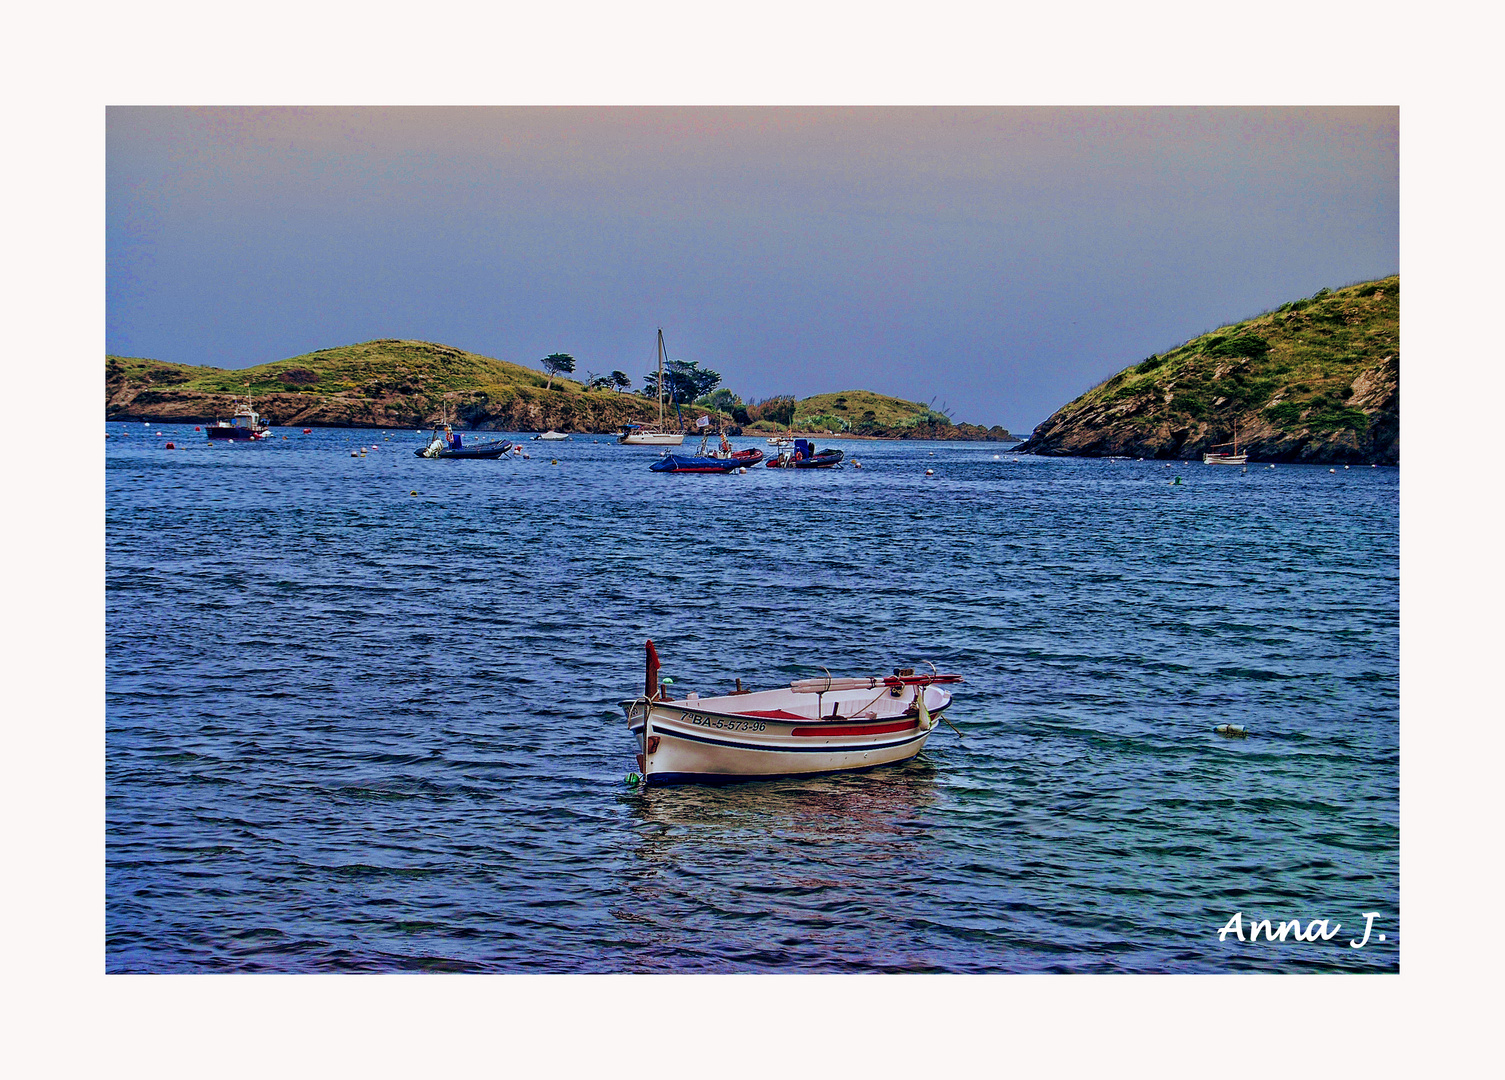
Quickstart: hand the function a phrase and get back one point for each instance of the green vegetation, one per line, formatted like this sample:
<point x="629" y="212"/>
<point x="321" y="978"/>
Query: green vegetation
<point x="1296" y="364"/>
<point x="412" y="382"/>
<point x="370" y="369"/>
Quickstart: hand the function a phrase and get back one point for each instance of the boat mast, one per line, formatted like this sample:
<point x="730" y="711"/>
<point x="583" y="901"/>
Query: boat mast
<point x="661" y="378"/>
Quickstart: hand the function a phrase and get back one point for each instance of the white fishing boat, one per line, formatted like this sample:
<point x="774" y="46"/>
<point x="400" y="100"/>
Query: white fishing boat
<point x="637" y="434"/>
<point x="550" y="436"/>
<point x="1211" y="457"/>
<point x="246" y="424"/>
<point x="811" y="726"/>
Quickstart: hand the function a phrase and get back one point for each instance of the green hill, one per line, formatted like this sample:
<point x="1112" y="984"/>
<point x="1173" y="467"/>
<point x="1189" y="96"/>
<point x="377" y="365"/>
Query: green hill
<point x="862" y="412"/>
<point x="391" y="383"/>
<point x="385" y="383"/>
<point x="1314" y="380"/>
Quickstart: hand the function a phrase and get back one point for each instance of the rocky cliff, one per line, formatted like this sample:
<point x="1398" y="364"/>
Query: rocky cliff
<point x="1317" y="380"/>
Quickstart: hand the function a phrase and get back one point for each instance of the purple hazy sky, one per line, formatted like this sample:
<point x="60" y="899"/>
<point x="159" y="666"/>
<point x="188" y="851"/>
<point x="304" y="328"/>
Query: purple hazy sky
<point x="997" y="260"/>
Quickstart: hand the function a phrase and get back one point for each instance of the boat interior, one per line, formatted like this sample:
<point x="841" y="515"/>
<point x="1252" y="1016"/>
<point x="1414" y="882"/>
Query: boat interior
<point x="786" y="704"/>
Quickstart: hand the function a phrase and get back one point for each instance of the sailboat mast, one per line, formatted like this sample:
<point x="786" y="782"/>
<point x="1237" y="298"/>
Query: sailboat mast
<point x="661" y="378"/>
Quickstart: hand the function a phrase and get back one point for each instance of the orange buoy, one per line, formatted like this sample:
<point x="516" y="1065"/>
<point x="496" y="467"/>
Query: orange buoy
<point x="170" y="446"/>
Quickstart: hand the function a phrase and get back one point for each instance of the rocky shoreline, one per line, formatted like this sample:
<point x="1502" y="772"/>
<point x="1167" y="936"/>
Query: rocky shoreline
<point x="1317" y="380"/>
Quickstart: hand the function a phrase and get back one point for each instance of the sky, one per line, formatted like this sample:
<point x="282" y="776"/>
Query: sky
<point x="996" y="261"/>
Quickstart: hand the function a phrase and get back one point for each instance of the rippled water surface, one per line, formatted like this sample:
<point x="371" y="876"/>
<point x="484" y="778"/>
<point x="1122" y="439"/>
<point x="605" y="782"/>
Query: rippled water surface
<point x="362" y="712"/>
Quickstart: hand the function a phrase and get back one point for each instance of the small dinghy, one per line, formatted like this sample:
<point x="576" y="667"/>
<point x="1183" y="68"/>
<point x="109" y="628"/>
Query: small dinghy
<point x="812" y="726"/>
<point x="437" y="449"/>
<point x="804" y="455"/>
<point x="722" y="460"/>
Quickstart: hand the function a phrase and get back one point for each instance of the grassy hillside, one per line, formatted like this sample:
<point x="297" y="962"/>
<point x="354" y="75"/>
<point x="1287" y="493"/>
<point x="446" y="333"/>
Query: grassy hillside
<point x="391" y="383"/>
<point x="371" y="369"/>
<point x="1316" y="379"/>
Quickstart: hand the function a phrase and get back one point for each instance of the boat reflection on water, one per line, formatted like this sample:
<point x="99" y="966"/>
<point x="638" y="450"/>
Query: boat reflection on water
<point x="794" y="875"/>
<point x="840" y="806"/>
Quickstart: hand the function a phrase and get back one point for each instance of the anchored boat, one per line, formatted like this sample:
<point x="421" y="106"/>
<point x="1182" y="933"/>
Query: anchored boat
<point x="438" y="448"/>
<point x="637" y="434"/>
<point x="245" y="424"/>
<point x="1215" y="457"/>
<point x="812" y="726"/>
<point x="803" y="455"/>
<point x="721" y="460"/>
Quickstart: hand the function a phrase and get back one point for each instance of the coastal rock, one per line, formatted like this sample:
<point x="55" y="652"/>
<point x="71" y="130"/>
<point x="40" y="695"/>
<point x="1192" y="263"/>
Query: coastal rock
<point x="1317" y="380"/>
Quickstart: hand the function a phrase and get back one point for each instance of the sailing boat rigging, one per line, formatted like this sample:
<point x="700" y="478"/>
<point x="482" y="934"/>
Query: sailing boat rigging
<point x="636" y="434"/>
<point x="1211" y="457"/>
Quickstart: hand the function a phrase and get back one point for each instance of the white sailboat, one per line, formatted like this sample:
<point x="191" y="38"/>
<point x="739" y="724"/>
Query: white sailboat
<point x="1225" y="458"/>
<point x="636" y="434"/>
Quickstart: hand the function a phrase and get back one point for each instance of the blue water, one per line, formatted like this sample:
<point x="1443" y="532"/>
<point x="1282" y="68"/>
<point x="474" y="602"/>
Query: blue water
<point x="355" y="728"/>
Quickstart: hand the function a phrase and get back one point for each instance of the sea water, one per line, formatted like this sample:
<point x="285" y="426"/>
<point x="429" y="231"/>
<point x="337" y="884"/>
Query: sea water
<point x="362" y="711"/>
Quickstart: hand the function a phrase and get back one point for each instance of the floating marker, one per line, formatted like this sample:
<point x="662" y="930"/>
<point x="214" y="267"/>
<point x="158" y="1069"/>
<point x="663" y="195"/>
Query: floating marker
<point x="1332" y="470"/>
<point x="633" y="779"/>
<point x="995" y="457"/>
<point x="198" y="429"/>
<point x="929" y="472"/>
<point x="553" y="461"/>
<point x="412" y="493"/>
<point x="742" y="470"/>
<point x="1231" y="731"/>
<point x="170" y="446"/>
<point x="355" y="453"/>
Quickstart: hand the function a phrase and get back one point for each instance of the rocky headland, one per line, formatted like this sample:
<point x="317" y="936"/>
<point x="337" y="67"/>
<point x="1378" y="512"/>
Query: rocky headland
<point x="1317" y="380"/>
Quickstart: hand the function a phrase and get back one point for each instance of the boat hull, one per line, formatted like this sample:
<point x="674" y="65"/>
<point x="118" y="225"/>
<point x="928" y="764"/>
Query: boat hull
<point x="237" y="434"/>
<point x="481" y="451"/>
<point x="693" y="743"/>
<point x="826" y="459"/>
<point x="683" y="463"/>
<point x="1225" y="459"/>
<point x="651" y="438"/>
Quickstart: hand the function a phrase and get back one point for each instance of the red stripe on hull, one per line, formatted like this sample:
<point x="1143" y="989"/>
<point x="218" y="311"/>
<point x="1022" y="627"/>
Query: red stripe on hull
<point x="854" y="729"/>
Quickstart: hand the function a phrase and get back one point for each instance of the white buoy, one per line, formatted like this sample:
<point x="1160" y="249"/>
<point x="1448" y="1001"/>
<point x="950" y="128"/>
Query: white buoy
<point x="742" y="470"/>
<point x="995" y="457"/>
<point x="355" y="453"/>
<point x="929" y="472"/>
<point x="1345" y="466"/>
<point x="1332" y="470"/>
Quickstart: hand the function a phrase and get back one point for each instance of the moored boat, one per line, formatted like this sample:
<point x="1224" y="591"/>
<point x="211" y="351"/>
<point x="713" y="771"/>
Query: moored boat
<point x="483" y="451"/>
<point x="551" y="436"/>
<point x="721" y="460"/>
<point x="803" y="455"/>
<point x="245" y="424"/>
<point x="637" y="434"/>
<point x="813" y="726"/>
<point x="1213" y="456"/>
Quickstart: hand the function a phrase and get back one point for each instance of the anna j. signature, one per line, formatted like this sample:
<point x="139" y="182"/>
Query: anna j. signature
<point x="1315" y="929"/>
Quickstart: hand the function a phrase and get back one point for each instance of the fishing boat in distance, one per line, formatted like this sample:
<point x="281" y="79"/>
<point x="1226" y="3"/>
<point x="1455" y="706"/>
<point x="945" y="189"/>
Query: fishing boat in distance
<point x="810" y="727"/>
<point x="1224" y="457"/>
<point x="637" y="434"/>
<point x="246" y="424"/>
<point x="802" y="454"/>
<point x="721" y="460"/>
<point x="551" y="436"/>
